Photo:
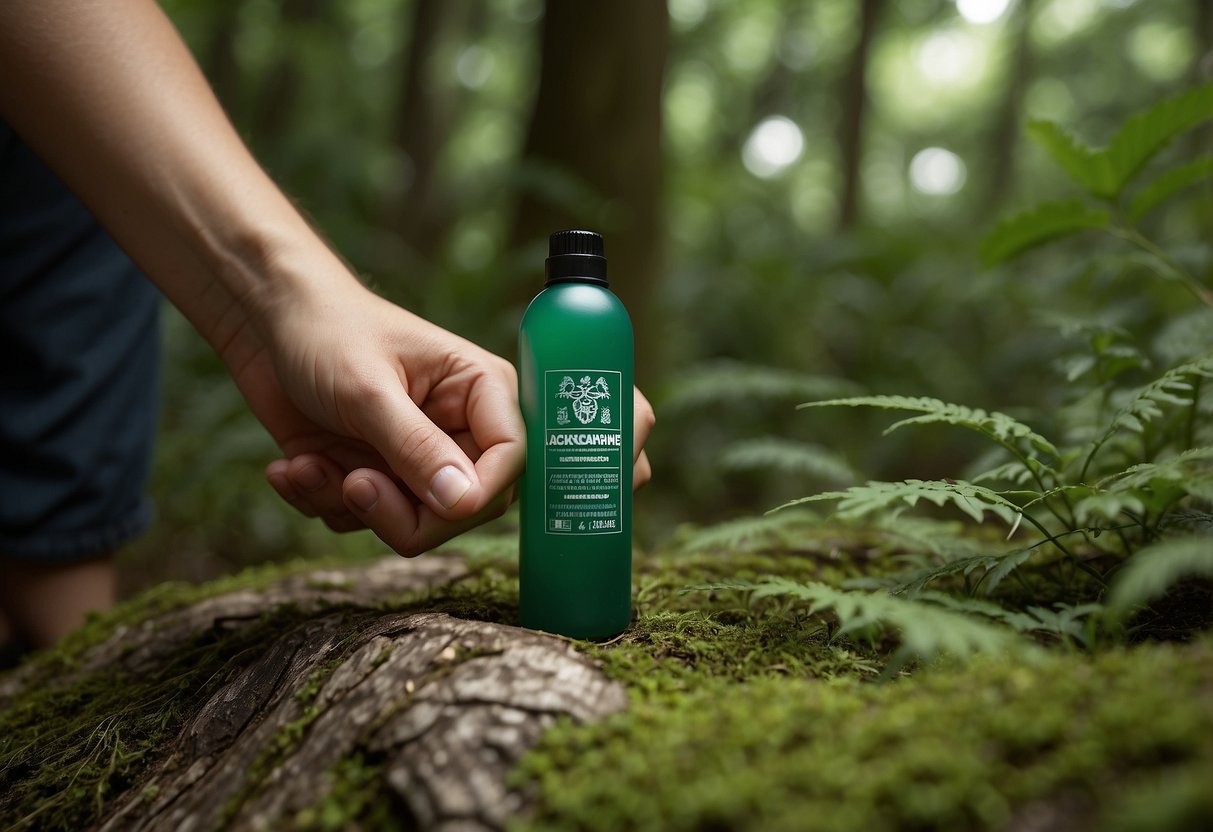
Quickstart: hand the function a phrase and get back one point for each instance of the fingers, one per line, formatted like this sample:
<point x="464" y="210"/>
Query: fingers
<point x="410" y="529"/>
<point x="429" y="462"/>
<point x="495" y="423"/>
<point x="643" y="420"/>
<point x="312" y="484"/>
<point x="642" y="472"/>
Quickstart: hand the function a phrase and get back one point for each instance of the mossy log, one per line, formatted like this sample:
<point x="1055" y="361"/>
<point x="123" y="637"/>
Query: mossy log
<point x="441" y="708"/>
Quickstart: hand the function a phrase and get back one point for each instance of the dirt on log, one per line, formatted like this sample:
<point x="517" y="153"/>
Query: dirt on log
<point x="443" y="707"/>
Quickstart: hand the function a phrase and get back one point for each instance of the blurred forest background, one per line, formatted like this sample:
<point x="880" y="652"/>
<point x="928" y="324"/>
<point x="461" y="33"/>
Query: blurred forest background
<point x="792" y="195"/>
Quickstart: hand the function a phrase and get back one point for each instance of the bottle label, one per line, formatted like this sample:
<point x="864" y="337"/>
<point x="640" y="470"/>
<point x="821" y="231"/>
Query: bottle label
<point x="583" y="452"/>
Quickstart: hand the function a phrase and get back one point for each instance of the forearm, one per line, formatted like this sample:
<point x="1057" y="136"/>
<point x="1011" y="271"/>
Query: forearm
<point x="106" y="92"/>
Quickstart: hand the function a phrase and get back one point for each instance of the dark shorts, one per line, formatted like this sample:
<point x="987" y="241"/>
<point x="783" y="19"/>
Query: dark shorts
<point x="79" y="371"/>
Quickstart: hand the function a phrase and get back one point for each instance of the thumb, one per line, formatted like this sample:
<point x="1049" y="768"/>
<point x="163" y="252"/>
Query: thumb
<point x="429" y="461"/>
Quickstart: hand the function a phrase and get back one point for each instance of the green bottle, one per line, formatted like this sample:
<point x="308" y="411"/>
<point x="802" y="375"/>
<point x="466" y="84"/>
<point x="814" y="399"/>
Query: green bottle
<point x="575" y="384"/>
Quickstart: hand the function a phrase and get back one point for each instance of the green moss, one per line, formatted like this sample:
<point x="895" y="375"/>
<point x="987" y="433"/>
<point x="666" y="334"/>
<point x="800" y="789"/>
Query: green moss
<point x="740" y="718"/>
<point x="947" y="748"/>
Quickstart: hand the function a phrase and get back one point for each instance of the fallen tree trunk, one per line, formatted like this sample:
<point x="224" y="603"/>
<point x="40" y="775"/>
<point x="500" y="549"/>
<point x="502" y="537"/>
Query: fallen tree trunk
<point x="434" y="709"/>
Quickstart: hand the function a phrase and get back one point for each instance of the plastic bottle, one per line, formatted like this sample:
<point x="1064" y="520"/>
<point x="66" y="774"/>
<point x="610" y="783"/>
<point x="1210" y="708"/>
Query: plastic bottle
<point x="575" y="384"/>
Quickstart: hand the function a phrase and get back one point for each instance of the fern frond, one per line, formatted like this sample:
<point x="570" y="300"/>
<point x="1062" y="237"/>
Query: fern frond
<point x="994" y="425"/>
<point x="1173" y="387"/>
<point x="1108" y="506"/>
<point x="1151" y="571"/>
<point x="863" y="500"/>
<point x="925" y="630"/>
<point x="1013" y="471"/>
<point x="994" y="569"/>
<point x="925" y="535"/>
<point x="789" y="456"/>
<point x="735" y="382"/>
<point x="1189" y="465"/>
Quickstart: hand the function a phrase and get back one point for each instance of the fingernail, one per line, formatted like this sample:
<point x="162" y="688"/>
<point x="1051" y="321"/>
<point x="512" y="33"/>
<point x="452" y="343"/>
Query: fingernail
<point x="363" y="494"/>
<point x="311" y="477"/>
<point x="449" y="485"/>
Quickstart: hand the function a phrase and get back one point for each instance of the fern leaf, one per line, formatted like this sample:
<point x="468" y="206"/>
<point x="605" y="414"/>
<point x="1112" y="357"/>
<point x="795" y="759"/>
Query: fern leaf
<point x="1169" y="184"/>
<point x="994" y="569"/>
<point x="994" y="425"/>
<point x="1013" y="471"/>
<point x="1106" y="505"/>
<point x="788" y="456"/>
<point x="864" y="500"/>
<point x="735" y="382"/>
<point x="1172" y="387"/>
<point x="1151" y="571"/>
<point x="925" y="630"/>
<point x="1143" y="135"/>
<point x="1192" y="465"/>
<point x="1017" y="621"/>
<point x="1041" y="224"/>
<point x="1064" y="620"/>
<point x="937" y="538"/>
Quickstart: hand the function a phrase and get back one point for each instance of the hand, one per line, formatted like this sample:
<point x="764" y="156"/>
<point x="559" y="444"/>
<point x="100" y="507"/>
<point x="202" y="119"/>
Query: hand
<point x="386" y="421"/>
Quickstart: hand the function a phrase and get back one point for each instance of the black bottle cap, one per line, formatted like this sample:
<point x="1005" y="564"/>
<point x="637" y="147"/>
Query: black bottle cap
<point x="575" y="256"/>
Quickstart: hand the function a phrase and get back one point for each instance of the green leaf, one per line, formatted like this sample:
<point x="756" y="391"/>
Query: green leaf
<point x="1173" y="387"/>
<point x="1151" y="571"/>
<point x="925" y="630"/>
<point x="875" y="497"/>
<point x="997" y="426"/>
<point x="1143" y="135"/>
<point x="1105" y="172"/>
<point x="1169" y="184"/>
<point x="1106" y="506"/>
<point x="1190" y="472"/>
<point x="994" y="569"/>
<point x="1044" y="223"/>
<point x="1074" y="157"/>
<point x="790" y="456"/>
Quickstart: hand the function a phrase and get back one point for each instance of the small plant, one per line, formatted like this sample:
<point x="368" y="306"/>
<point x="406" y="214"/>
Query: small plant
<point x="1116" y="508"/>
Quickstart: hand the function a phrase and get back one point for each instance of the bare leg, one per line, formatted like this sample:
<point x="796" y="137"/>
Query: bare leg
<point x="45" y="602"/>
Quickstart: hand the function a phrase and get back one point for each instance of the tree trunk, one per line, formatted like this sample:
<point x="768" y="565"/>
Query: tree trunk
<point x="597" y="122"/>
<point x="1006" y="129"/>
<point x="853" y="93"/>
<point x="322" y="691"/>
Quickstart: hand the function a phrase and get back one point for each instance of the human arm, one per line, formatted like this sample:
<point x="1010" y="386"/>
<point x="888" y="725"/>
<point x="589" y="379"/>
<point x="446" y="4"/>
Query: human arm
<point x="111" y="99"/>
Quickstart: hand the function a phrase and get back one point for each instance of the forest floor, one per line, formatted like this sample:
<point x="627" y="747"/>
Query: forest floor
<point x="399" y="694"/>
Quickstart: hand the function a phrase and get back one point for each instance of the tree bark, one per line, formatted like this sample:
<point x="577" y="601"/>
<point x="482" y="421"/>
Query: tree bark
<point x="597" y="121"/>
<point x="853" y="93"/>
<point x="442" y="708"/>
